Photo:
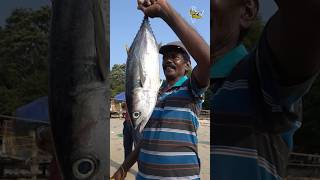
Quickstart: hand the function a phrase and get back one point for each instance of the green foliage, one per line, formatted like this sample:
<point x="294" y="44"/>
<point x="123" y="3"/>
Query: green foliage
<point x="307" y="137"/>
<point x="117" y="79"/>
<point x="23" y="58"/>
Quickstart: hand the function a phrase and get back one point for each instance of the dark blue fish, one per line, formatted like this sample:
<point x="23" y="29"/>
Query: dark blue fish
<point x="78" y="87"/>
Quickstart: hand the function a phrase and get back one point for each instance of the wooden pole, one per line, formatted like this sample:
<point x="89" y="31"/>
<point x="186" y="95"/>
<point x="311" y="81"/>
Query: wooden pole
<point x="34" y="165"/>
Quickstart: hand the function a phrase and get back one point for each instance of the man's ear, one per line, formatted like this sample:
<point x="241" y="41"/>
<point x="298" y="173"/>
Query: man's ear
<point x="187" y="67"/>
<point x="249" y="12"/>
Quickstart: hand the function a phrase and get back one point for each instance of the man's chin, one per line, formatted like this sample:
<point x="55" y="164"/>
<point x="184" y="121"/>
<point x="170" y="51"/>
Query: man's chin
<point x="170" y="76"/>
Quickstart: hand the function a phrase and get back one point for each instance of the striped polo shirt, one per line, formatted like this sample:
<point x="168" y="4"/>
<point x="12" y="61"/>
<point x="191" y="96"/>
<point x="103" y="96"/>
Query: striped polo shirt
<point x="169" y="149"/>
<point x="253" y="116"/>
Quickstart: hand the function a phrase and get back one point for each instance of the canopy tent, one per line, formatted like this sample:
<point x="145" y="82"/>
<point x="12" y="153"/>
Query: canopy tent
<point x="120" y="97"/>
<point x="36" y="111"/>
<point x="32" y="115"/>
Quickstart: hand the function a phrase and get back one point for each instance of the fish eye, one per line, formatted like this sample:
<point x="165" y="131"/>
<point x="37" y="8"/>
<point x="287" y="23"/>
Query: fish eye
<point x="83" y="168"/>
<point x="136" y="115"/>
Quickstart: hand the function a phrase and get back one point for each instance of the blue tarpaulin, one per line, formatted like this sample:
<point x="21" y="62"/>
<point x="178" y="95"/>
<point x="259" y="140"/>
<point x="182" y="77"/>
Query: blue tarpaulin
<point x="120" y="97"/>
<point x="36" y="111"/>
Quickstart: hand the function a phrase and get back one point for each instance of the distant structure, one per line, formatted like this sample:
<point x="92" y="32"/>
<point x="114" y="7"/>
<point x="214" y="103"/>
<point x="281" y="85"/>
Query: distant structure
<point x="19" y="155"/>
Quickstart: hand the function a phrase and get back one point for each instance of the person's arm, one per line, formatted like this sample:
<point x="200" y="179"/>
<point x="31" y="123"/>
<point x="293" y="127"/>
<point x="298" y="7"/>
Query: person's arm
<point x="294" y="38"/>
<point x="191" y="39"/>
<point x="121" y="173"/>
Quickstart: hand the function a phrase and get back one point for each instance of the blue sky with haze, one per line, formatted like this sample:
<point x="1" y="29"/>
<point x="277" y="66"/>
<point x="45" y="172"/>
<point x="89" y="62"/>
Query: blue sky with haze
<point x="125" y="20"/>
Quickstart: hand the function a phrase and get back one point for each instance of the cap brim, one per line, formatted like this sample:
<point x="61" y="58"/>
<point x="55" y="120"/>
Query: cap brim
<point x="166" y="48"/>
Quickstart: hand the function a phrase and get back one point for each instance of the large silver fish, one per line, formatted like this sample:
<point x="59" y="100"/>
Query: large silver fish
<point x="78" y="87"/>
<point x="142" y="76"/>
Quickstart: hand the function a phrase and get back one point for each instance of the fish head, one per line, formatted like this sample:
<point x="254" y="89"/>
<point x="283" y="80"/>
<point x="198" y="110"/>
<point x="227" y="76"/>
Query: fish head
<point x="141" y="107"/>
<point x="136" y="109"/>
<point x="138" y="119"/>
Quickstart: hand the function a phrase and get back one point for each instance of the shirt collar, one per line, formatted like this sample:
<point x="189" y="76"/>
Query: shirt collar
<point x="223" y="67"/>
<point x="177" y="84"/>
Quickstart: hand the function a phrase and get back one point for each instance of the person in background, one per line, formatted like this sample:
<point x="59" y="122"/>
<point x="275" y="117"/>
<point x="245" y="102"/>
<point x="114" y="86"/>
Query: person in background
<point x="45" y="142"/>
<point x="127" y="132"/>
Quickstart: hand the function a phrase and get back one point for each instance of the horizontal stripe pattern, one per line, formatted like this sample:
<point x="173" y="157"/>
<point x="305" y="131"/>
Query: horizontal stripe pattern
<point x="174" y="114"/>
<point x="170" y="136"/>
<point x="168" y="153"/>
<point x="142" y="176"/>
<point x="169" y="170"/>
<point x="173" y="123"/>
<point x="170" y="130"/>
<point x="166" y="146"/>
<point x="249" y="119"/>
<point x="270" y="101"/>
<point x="169" y="149"/>
<point x="242" y="154"/>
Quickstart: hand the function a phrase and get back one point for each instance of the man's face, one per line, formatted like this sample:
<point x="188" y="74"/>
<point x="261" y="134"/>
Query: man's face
<point x="225" y="19"/>
<point x="173" y="64"/>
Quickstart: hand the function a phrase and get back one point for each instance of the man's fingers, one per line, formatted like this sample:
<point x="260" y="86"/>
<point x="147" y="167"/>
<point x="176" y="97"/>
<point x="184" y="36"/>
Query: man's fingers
<point x="147" y="3"/>
<point x="148" y="12"/>
<point x="142" y="4"/>
<point x="148" y="7"/>
<point x="142" y="8"/>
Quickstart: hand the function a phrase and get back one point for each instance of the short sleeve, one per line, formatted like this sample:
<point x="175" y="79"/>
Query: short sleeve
<point x="197" y="92"/>
<point x="281" y="97"/>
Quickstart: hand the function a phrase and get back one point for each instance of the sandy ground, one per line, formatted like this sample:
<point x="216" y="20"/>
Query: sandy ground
<point x="117" y="152"/>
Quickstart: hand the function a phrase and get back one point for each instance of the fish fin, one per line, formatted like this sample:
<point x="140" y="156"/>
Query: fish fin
<point x="159" y="45"/>
<point x="159" y="85"/>
<point x="100" y="40"/>
<point x="127" y="49"/>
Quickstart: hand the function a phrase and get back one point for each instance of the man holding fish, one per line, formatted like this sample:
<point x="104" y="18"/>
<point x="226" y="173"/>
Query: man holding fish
<point x="168" y="148"/>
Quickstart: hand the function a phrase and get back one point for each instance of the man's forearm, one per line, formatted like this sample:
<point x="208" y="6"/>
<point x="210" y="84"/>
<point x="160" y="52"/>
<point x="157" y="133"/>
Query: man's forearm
<point x="293" y="35"/>
<point x="132" y="158"/>
<point x="194" y="43"/>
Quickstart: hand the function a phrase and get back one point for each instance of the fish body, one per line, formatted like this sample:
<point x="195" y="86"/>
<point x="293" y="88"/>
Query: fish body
<point x="79" y="89"/>
<point x="142" y="76"/>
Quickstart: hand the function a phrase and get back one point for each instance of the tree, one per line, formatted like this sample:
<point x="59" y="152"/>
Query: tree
<point x="307" y="137"/>
<point x="23" y="58"/>
<point x="117" y="79"/>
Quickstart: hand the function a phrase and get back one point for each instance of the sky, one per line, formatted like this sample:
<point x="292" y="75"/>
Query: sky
<point x="125" y="21"/>
<point x="7" y="6"/>
<point x="124" y="26"/>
